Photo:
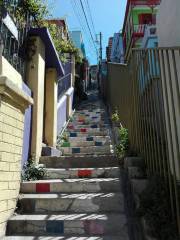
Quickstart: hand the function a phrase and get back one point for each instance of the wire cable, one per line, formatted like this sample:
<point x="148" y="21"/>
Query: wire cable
<point x="87" y="23"/>
<point x="90" y="15"/>
<point x="76" y="10"/>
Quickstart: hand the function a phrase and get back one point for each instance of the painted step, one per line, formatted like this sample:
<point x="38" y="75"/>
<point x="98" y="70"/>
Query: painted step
<point x="96" y="110"/>
<point x="85" y="185"/>
<point x="87" y="150"/>
<point x="86" y="122"/>
<point x="86" y="116"/>
<point x="71" y="203"/>
<point x="87" y="126"/>
<point x="80" y="161"/>
<point x="84" y="143"/>
<point x="74" y="237"/>
<point x="81" y="224"/>
<point x="110" y="172"/>
<point x="89" y="139"/>
<point x="90" y="130"/>
<point x="87" y="134"/>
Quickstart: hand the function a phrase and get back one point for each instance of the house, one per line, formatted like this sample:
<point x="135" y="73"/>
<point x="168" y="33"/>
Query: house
<point x="62" y="25"/>
<point x="139" y="14"/>
<point x="109" y="49"/>
<point x="117" y="52"/>
<point x="77" y="39"/>
<point x="168" y="29"/>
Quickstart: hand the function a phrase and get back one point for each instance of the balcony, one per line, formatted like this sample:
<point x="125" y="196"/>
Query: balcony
<point x="139" y="30"/>
<point x="145" y="2"/>
<point x="150" y="32"/>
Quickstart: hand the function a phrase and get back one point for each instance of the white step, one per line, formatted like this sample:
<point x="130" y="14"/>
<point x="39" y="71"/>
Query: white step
<point x="80" y="161"/>
<point x="71" y="203"/>
<point x="81" y="224"/>
<point x="72" y="237"/>
<point x="110" y="172"/>
<point x="87" y="150"/>
<point x="93" y="185"/>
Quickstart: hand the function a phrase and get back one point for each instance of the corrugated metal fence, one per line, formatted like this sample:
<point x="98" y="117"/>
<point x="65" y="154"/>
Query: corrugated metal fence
<point x="149" y="106"/>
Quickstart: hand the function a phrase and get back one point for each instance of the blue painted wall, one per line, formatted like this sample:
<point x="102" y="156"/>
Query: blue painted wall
<point x="27" y="128"/>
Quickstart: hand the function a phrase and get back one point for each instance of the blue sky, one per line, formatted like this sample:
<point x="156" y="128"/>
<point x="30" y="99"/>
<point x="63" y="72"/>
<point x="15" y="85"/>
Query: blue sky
<point x="108" y="16"/>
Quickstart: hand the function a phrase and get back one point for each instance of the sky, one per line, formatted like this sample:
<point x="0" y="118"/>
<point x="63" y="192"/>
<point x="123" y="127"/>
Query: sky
<point x="107" y="15"/>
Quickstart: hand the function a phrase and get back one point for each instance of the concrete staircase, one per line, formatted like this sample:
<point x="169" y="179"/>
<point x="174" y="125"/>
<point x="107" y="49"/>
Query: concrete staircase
<point x="81" y="197"/>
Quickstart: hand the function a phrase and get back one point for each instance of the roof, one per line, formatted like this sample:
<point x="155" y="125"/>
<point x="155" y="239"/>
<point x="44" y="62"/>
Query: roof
<point x="51" y="56"/>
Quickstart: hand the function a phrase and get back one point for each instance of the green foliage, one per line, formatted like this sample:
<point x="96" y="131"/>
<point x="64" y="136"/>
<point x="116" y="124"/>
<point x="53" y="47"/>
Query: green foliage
<point x="123" y="145"/>
<point x="155" y="208"/>
<point x="32" y="171"/>
<point x="37" y="8"/>
<point x="115" y="116"/>
<point x="62" y="46"/>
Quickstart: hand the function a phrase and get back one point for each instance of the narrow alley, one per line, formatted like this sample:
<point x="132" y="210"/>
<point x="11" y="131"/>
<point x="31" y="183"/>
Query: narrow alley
<point x="82" y="197"/>
<point x="89" y="120"/>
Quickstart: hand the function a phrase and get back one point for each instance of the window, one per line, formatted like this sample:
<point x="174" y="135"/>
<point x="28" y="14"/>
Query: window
<point x="145" y="18"/>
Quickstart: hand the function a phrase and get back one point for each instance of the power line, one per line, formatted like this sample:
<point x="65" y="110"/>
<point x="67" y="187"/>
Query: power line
<point x="90" y="15"/>
<point x="77" y="10"/>
<point x="87" y="23"/>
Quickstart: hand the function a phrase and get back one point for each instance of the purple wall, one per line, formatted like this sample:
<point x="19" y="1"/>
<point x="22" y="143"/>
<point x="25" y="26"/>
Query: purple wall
<point x="27" y="128"/>
<point x="67" y="68"/>
<point x="61" y="114"/>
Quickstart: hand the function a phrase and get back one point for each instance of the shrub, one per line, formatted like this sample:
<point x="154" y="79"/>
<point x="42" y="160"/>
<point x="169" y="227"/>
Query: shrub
<point x="115" y="116"/>
<point x="156" y="209"/>
<point x="123" y="145"/>
<point x="32" y="171"/>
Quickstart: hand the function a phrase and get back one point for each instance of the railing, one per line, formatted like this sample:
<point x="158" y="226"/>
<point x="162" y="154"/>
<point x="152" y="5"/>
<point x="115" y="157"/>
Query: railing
<point x="149" y="106"/>
<point x="64" y="84"/>
<point x="139" y="30"/>
<point x="145" y="2"/>
<point x="13" y="34"/>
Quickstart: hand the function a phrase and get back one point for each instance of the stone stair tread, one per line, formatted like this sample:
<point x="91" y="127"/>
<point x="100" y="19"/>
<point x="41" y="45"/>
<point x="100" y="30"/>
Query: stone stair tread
<point x="68" y="217"/>
<point x="81" y="168"/>
<point x="71" y="180"/>
<point x="62" y="173"/>
<point x="73" y="185"/>
<point x="71" y="203"/>
<point x="83" y="223"/>
<point x="72" y="237"/>
<point x="95" y="138"/>
<point x="104" y="149"/>
<point x="81" y="161"/>
<point x="81" y="196"/>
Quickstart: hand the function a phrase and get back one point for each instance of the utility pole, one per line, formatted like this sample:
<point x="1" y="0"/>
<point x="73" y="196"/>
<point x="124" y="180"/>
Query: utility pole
<point x="100" y="47"/>
<point x="100" y="61"/>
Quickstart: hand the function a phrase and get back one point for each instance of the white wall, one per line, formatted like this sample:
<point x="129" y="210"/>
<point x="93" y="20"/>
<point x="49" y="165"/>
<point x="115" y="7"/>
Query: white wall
<point x="168" y="23"/>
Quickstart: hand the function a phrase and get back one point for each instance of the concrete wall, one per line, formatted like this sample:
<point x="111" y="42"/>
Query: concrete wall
<point x="6" y="69"/>
<point x="117" y="76"/>
<point x="50" y="127"/>
<point x="35" y="78"/>
<point x="13" y="102"/>
<point x="168" y="19"/>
